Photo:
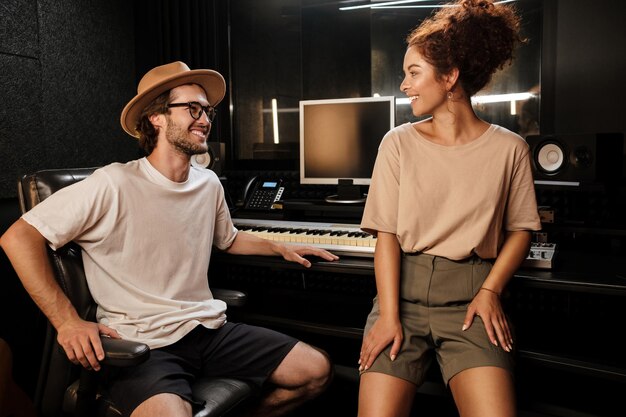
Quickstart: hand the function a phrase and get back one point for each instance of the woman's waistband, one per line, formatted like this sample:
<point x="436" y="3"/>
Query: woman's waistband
<point x="472" y="259"/>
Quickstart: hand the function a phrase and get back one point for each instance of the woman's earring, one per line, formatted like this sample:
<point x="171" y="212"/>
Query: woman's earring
<point x="449" y="95"/>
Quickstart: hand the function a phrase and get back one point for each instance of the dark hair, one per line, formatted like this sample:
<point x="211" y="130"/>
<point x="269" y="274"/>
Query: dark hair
<point x="475" y="36"/>
<point x="146" y="130"/>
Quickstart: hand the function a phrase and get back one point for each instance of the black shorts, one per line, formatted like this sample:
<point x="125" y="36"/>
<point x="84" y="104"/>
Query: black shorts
<point x="234" y="350"/>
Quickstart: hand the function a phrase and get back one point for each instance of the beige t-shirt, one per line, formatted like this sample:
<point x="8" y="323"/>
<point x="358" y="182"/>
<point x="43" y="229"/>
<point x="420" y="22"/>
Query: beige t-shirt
<point x="451" y="201"/>
<point x="146" y="246"/>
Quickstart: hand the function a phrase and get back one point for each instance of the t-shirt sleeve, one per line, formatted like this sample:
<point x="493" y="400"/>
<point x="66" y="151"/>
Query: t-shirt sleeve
<point x="72" y="211"/>
<point x="225" y="231"/>
<point x="381" y="206"/>
<point x="521" y="209"/>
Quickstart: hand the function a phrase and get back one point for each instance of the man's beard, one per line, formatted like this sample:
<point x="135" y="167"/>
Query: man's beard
<point x="179" y="139"/>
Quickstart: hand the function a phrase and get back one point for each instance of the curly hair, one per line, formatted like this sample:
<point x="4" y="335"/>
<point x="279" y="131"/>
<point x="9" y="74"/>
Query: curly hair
<point x="475" y="36"/>
<point x="145" y="129"/>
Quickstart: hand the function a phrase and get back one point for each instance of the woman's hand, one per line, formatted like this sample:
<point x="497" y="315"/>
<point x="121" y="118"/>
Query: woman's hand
<point x="383" y="332"/>
<point x="486" y="305"/>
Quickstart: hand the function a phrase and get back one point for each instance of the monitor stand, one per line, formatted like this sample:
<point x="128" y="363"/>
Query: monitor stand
<point x="347" y="193"/>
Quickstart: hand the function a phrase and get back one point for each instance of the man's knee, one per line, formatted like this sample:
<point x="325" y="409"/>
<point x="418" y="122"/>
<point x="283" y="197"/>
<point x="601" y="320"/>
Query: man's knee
<point x="165" y="404"/>
<point x="319" y="370"/>
<point x="306" y="369"/>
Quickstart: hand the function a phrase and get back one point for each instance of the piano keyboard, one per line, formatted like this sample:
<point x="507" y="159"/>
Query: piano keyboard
<point x="349" y="240"/>
<point x="341" y="239"/>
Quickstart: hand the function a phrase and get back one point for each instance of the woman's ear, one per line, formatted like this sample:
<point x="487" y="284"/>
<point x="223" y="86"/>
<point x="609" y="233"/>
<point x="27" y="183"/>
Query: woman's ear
<point x="451" y="79"/>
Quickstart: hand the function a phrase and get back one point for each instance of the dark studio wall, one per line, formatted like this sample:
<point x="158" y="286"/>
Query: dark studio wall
<point x="589" y="93"/>
<point x="67" y="68"/>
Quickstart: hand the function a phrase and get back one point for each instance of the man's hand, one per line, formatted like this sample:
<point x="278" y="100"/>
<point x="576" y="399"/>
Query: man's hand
<point x="81" y="341"/>
<point x="248" y="244"/>
<point x="296" y="253"/>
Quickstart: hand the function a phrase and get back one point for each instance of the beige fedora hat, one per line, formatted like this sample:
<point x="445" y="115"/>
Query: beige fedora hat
<point x="165" y="77"/>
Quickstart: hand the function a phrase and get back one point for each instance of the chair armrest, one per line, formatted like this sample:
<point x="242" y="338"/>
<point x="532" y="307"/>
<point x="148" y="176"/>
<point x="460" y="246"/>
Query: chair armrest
<point x="79" y="398"/>
<point x="123" y="353"/>
<point x="221" y="395"/>
<point x="232" y="298"/>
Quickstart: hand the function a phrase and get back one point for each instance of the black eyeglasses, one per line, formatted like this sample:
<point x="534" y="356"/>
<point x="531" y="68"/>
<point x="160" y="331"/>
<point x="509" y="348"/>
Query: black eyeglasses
<point x="196" y="109"/>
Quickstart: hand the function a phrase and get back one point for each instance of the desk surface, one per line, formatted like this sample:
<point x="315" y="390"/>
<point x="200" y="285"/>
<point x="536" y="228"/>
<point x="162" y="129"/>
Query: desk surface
<point x="574" y="271"/>
<point x="585" y="271"/>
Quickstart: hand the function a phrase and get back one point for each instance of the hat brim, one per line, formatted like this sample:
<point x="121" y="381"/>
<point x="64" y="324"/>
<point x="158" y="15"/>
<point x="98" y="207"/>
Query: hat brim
<point x="211" y="81"/>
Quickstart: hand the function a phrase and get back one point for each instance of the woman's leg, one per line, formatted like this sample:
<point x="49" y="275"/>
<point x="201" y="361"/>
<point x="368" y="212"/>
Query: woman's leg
<point x="485" y="391"/>
<point x="382" y="395"/>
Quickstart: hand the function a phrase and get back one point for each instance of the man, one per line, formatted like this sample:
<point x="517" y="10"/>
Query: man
<point x="146" y="229"/>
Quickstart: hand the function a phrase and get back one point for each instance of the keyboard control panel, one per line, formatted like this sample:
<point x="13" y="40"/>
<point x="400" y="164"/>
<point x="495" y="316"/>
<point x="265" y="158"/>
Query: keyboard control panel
<point x="541" y="255"/>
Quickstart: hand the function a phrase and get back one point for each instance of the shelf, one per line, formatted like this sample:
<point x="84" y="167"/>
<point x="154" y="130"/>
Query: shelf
<point x="571" y="282"/>
<point x="580" y="271"/>
<point x="299" y="325"/>
<point x="575" y="365"/>
<point x="575" y="272"/>
<point x="346" y="264"/>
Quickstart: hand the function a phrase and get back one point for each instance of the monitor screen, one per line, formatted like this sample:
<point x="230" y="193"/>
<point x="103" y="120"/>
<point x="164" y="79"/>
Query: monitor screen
<point x="339" y="138"/>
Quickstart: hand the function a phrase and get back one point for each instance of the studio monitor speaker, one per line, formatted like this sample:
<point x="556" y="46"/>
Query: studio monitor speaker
<point x="213" y="159"/>
<point x="583" y="158"/>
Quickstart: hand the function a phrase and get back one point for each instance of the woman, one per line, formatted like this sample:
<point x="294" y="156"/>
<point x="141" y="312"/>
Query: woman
<point x="452" y="203"/>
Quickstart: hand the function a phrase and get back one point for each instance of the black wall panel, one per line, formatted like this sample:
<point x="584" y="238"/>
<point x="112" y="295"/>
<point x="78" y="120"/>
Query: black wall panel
<point x="590" y="94"/>
<point x="67" y="69"/>
<point x="18" y="28"/>
<point x="20" y="118"/>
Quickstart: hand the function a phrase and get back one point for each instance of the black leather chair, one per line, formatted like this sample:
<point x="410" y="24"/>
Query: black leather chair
<point x="66" y="389"/>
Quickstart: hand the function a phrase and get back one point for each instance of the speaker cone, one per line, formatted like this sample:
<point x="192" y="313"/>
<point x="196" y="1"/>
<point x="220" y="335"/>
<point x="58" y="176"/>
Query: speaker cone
<point x="203" y="160"/>
<point x="550" y="158"/>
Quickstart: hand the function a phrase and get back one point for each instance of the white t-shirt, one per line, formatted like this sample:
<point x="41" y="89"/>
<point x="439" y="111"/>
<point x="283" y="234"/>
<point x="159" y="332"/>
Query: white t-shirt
<point x="146" y="245"/>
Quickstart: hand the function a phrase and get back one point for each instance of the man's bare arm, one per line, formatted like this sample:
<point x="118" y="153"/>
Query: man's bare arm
<point x="26" y="249"/>
<point x="248" y="244"/>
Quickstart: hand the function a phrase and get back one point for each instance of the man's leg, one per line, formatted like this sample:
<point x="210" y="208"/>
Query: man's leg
<point x="302" y="375"/>
<point x="158" y="387"/>
<point x="163" y="405"/>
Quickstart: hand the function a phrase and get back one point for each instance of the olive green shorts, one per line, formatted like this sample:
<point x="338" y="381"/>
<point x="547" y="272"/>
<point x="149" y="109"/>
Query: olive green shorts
<point x="434" y="295"/>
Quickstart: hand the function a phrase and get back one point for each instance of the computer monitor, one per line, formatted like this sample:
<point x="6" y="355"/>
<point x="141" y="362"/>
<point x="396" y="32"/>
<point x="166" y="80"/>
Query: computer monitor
<point x="339" y="141"/>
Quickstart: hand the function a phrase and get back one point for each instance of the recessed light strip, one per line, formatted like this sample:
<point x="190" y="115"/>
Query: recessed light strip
<point x="491" y="98"/>
<point x="275" y="120"/>
<point x="406" y="4"/>
<point x="387" y="3"/>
